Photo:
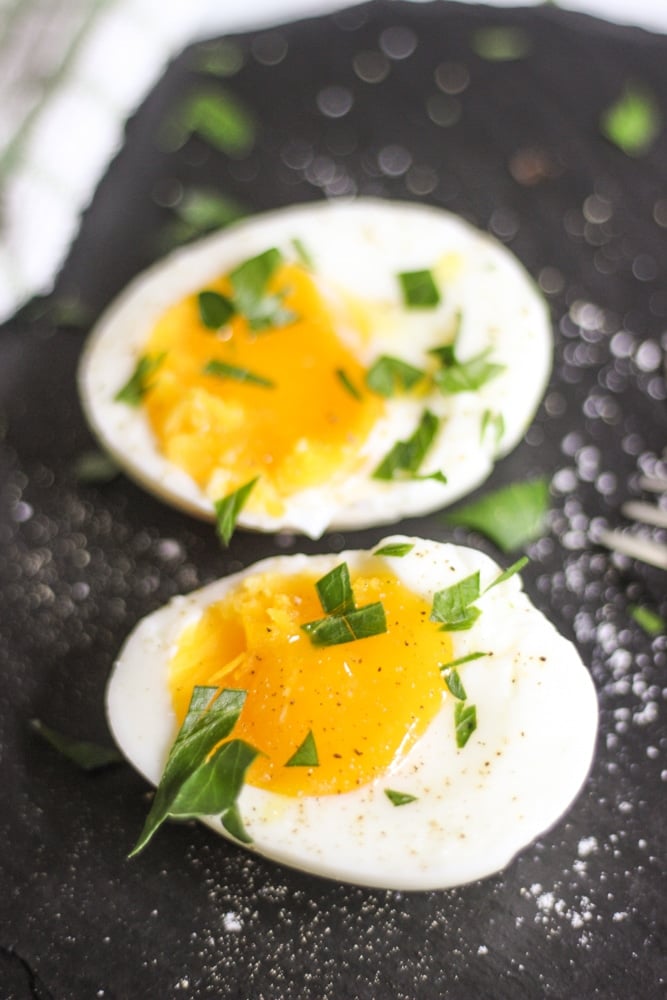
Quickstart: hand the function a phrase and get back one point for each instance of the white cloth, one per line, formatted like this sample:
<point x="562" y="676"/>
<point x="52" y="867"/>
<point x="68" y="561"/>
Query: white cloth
<point x="71" y="71"/>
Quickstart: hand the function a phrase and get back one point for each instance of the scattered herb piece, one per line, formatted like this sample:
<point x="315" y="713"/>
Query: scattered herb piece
<point x="468" y="658"/>
<point x="215" y="310"/>
<point x="651" y="622"/>
<point x="219" y="59"/>
<point x="453" y="606"/>
<point x="302" y="254"/>
<point x="633" y="122"/>
<point x="349" y="386"/>
<point x="87" y="756"/>
<point x="466" y="376"/>
<point x="233" y="824"/>
<point x="249" y="281"/>
<point x="398" y="549"/>
<point x="510" y="571"/>
<point x="306" y="754"/>
<point x="201" y="777"/>
<point x="206" y="210"/>
<point x="139" y="382"/>
<point x="500" y="44"/>
<point x="405" y="457"/>
<point x="399" y="798"/>
<point x="510" y="516"/>
<point x="419" y="289"/>
<point x="216" y="117"/>
<point x="388" y="375"/>
<point x="95" y="467"/>
<point x="344" y="622"/>
<point x="493" y="423"/>
<point x="454" y="683"/>
<point x="465" y="722"/>
<point x="221" y="369"/>
<point x="228" y="508"/>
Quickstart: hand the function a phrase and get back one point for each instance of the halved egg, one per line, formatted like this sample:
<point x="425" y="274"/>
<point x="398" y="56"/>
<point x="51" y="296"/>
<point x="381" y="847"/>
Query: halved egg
<point x="355" y="362"/>
<point x="414" y="720"/>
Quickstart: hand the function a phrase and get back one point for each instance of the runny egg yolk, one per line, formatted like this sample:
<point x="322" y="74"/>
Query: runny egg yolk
<point x="366" y="702"/>
<point x="293" y="433"/>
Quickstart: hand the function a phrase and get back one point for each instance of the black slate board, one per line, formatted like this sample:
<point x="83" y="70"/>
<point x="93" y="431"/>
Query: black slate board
<point x="580" y="913"/>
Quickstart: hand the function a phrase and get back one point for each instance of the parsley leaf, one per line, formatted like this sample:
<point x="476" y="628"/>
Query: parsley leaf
<point x="302" y="254"/>
<point x="651" y="622"/>
<point x="419" y="289"/>
<point x="510" y="516"/>
<point x="395" y="549"/>
<point x="406" y="456"/>
<point x="306" y="754"/>
<point x="399" y="798"/>
<point x="88" y="756"/>
<point x="453" y="605"/>
<point x="493" y="423"/>
<point x="228" y="508"/>
<point x="510" y="571"/>
<point x="633" y="122"/>
<point x="334" y="590"/>
<point x="249" y="281"/>
<point x="454" y="683"/>
<point x="347" y="384"/>
<point x="222" y="370"/>
<point x="215" y="310"/>
<point x="466" y="376"/>
<point x="139" y="382"/>
<point x="201" y="777"/>
<point x="216" y="117"/>
<point x="344" y="622"/>
<point x="388" y="375"/>
<point x="465" y="722"/>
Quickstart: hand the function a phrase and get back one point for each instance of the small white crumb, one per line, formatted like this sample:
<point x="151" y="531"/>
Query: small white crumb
<point x="586" y="846"/>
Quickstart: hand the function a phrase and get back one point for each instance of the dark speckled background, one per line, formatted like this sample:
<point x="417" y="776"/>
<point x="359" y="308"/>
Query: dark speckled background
<point x="515" y="147"/>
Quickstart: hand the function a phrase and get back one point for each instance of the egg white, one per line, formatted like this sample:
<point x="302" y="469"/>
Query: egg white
<point x="360" y="247"/>
<point x="476" y="807"/>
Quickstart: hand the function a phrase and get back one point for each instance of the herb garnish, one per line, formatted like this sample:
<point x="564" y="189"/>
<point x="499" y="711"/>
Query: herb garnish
<point x="199" y="211"/>
<point x="216" y="117"/>
<point x="419" y="289"/>
<point x="454" y="683"/>
<point x="633" y="121"/>
<point x="344" y="622"/>
<point x="493" y="423"/>
<point x="201" y="778"/>
<point x="453" y="664"/>
<point x="651" y="622"/>
<point x="395" y="549"/>
<point x="399" y="798"/>
<point x="249" y="281"/>
<point x="387" y="375"/>
<point x="215" y="310"/>
<point x="465" y="722"/>
<point x="88" y="756"/>
<point x="139" y="382"/>
<point x="347" y="384"/>
<point x="306" y="754"/>
<point x="464" y="376"/>
<point x="302" y="253"/>
<point x="510" y="516"/>
<point x="228" y="508"/>
<point x="222" y="370"/>
<point x="404" y="459"/>
<point x="454" y="605"/>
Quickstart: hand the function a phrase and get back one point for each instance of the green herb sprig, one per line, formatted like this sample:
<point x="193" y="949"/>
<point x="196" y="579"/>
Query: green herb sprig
<point x="344" y="622"/>
<point x="140" y="381"/>
<point x="86" y="755"/>
<point x="511" y="516"/>
<point x="403" y="460"/>
<point x="228" y="508"/>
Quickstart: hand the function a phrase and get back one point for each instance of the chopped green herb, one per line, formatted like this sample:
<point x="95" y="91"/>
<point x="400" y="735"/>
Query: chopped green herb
<point x="453" y="605"/>
<point x="465" y="722"/>
<point x="95" y="467"/>
<point x="454" y="683"/>
<point x="233" y="824"/>
<point x="501" y="44"/>
<point x="467" y="376"/>
<point x="206" y="210"/>
<point x="219" y="59"/>
<point x="405" y="457"/>
<point x="633" y="122"/>
<point x="87" y="756"/>
<point x="388" y="375"/>
<point x="221" y="369"/>
<point x="337" y="629"/>
<point x="215" y="310"/>
<point x="419" y="289"/>
<point x="334" y="590"/>
<point x="509" y="572"/>
<point x="398" y="549"/>
<point x="139" y="382"/>
<point x="468" y="658"/>
<point x="249" y="281"/>
<point x="228" y="508"/>
<point x="510" y="516"/>
<point x="399" y="798"/>
<point x="216" y="117"/>
<point x="349" y="386"/>
<point x="303" y="255"/>
<point x="493" y="423"/>
<point x="651" y="622"/>
<point x="201" y="777"/>
<point x="306" y="754"/>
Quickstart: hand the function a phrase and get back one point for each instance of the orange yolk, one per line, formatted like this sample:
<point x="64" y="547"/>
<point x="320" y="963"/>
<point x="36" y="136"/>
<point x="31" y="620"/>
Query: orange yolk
<point x="366" y="702"/>
<point x="293" y="434"/>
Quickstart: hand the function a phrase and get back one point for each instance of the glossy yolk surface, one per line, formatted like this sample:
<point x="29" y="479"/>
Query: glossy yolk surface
<point x="294" y="433"/>
<point x="366" y="702"/>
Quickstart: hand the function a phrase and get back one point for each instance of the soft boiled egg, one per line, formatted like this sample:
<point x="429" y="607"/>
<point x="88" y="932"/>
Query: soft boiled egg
<point x="423" y="753"/>
<point x="356" y="362"/>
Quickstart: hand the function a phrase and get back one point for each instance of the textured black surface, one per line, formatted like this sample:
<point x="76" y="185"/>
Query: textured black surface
<point x="580" y="913"/>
